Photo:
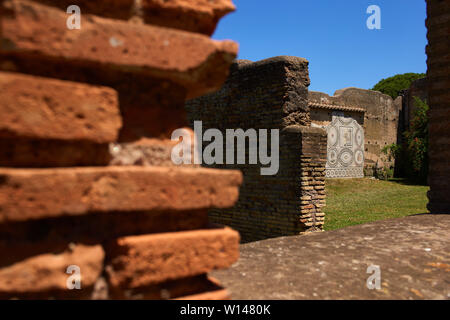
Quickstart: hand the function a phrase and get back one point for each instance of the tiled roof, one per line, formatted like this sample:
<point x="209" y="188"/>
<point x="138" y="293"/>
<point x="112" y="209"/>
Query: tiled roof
<point x="335" y="107"/>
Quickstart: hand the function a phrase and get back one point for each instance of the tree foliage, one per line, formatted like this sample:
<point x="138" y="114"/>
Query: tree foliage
<point x="393" y="85"/>
<point x="412" y="156"/>
<point x="417" y="140"/>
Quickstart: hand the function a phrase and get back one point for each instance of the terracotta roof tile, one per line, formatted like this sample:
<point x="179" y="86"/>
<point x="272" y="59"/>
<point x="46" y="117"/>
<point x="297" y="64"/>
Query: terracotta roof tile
<point x="335" y="107"/>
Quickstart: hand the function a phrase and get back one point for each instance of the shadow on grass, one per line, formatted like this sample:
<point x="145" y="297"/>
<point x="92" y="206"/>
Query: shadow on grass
<point x="408" y="182"/>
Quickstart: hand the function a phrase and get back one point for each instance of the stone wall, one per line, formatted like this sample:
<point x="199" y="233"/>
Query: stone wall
<point x="270" y="94"/>
<point x="380" y="123"/>
<point x="74" y="102"/>
<point x="438" y="51"/>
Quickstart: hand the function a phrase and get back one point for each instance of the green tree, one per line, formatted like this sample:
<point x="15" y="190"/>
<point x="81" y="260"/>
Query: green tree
<point x="393" y="85"/>
<point x="412" y="156"/>
<point x="417" y="141"/>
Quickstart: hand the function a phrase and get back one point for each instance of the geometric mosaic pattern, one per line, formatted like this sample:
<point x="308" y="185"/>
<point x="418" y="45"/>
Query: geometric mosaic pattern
<point x="345" y="147"/>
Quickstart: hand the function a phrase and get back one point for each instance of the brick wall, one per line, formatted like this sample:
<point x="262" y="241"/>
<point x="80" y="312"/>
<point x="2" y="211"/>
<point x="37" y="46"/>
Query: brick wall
<point x="270" y="94"/>
<point x="438" y="50"/>
<point x="73" y="102"/>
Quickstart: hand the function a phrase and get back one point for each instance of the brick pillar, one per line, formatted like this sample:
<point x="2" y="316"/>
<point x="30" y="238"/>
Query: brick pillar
<point x="438" y="50"/>
<point x="268" y="94"/>
<point x="75" y="105"/>
<point x="308" y="145"/>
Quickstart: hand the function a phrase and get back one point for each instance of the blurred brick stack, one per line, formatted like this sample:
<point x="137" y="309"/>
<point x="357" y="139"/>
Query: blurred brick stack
<point x="74" y="104"/>
<point x="438" y="80"/>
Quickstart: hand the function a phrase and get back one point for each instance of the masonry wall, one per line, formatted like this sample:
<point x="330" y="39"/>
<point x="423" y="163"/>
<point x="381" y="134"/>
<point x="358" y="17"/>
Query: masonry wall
<point x="86" y="185"/>
<point x="270" y="94"/>
<point x="380" y="121"/>
<point x="438" y="51"/>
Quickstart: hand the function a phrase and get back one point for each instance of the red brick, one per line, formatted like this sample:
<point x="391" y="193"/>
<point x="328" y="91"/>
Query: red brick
<point x="146" y="260"/>
<point x="47" y="271"/>
<point x="192" y="60"/>
<point x="194" y="15"/>
<point x="33" y="153"/>
<point x="150" y="118"/>
<point x="42" y="193"/>
<point x="19" y="240"/>
<point x="39" y="108"/>
<point x="116" y="9"/>
<point x="149" y="107"/>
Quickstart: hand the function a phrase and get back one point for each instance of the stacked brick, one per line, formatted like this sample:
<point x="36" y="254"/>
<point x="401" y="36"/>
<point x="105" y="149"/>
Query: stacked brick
<point x="270" y="94"/>
<point x="438" y="79"/>
<point x="303" y="151"/>
<point x="312" y="162"/>
<point x="75" y="104"/>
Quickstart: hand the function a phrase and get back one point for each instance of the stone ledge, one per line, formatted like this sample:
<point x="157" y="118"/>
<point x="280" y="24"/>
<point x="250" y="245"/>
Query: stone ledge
<point x="413" y="254"/>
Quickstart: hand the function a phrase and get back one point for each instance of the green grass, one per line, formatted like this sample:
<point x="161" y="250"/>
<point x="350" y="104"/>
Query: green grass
<point x="357" y="201"/>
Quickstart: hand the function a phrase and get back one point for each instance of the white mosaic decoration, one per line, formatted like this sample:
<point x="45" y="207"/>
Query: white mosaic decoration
<point x="345" y="147"/>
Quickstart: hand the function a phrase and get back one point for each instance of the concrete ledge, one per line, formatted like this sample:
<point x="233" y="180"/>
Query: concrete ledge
<point x="413" y="254"/>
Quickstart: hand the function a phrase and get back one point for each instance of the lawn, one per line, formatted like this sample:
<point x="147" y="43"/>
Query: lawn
<point x="356" y="201"/>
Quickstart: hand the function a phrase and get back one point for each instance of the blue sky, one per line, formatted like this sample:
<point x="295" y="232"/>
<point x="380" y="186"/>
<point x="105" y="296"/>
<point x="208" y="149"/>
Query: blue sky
<point x="333" y="36"/>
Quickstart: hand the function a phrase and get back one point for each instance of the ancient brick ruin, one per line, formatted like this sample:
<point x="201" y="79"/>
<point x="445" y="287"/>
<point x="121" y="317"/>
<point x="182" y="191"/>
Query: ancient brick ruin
<point x="438" y="51"/>
<point x="415" y="248"/>
<point x="86" y="181"/>
<point x="86" y="178"/>
<point x="412" y="252"/>
<point x="341" y="136"/>
<point x="270" y="94"/>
